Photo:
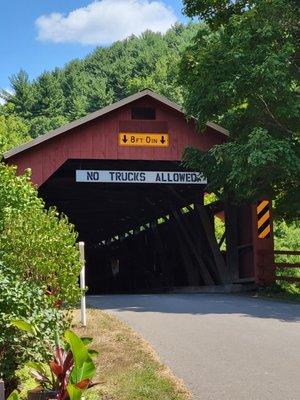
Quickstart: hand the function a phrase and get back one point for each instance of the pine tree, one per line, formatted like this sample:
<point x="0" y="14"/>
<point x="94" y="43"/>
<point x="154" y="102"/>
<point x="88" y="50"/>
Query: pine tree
<point x="49" y="99"/>
<point x="98" y="94"/>
<point x="75" y="88"/>
<point x="22" y="95"/>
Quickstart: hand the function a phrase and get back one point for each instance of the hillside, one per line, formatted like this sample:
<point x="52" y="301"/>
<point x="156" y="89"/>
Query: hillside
<point x="103" y="77"/>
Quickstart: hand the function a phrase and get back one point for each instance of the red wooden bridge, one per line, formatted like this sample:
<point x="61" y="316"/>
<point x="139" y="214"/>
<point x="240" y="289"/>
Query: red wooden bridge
<point x="117" y="175"/>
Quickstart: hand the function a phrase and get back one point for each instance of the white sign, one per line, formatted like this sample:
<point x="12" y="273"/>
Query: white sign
<point x="112" y="176"/>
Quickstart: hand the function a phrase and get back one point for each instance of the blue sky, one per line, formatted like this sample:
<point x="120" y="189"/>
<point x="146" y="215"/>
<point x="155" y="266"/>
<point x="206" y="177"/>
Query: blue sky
<point x="38" y="35"/>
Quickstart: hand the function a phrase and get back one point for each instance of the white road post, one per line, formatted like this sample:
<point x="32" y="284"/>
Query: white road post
<point x="82" y="284"/>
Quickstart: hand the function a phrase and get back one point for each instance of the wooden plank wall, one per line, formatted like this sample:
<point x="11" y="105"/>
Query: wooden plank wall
<point x="98" y="139"/>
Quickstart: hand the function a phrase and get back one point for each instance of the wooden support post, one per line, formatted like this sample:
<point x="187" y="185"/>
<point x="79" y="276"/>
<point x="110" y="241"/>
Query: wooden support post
<point x="2" y="392"/>
<point x="124" y="250"/>
<point x="215" y="207"/>
<point x="263" y="250"/>
<point x="82" y="284"/>
<point x="205" y="274"/>
<point x="232" y="252"/>
<point x="221" y="267"/>
<point x="222" y="240"/>
<point x="191" y="271"/>
<point x="164" y="262"/>
<point x="159" y="243"/>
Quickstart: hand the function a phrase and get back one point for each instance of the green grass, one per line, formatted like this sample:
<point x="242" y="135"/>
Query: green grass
<point x="127" y="366"/>
<point x="143" y="382"/>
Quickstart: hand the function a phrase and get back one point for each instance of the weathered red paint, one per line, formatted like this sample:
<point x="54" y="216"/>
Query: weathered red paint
<point x="98" y="139"/>
<point x="263" y="253"/>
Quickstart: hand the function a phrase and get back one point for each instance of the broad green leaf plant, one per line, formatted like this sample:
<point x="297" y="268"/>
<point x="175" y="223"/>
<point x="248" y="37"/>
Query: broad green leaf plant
<point x="28" y="304"/>
<point x="71" y="366"/>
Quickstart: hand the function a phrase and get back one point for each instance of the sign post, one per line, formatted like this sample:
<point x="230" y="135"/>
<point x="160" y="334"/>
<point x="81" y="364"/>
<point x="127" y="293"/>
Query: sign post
<point x="82" y="284"/>
<point x="1" y="390"/>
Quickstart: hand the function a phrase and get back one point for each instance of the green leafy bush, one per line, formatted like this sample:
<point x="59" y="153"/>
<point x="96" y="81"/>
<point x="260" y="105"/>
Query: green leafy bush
<point x="27" y="301"/>
<point x="15" y="191"/>
<point x="41" y="258"/>
<point x="26" y="381"/>
<point x="37" y="243"/>
<point x="13" y="130"/>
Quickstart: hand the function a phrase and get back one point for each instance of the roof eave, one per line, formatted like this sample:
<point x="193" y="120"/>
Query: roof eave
<point x="90" y="117"/>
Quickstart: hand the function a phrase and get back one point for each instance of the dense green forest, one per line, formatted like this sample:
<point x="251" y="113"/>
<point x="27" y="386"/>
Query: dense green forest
<point x="103" y="77"/>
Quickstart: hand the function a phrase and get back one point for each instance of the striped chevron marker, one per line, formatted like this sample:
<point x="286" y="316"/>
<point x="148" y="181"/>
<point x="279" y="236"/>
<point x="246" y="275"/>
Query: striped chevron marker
<point x="263" y="219"/>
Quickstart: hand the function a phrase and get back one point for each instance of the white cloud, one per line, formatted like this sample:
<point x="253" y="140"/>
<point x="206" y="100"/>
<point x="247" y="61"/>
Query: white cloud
<point x="105" y="21"/>
<point x="8" y="90"/>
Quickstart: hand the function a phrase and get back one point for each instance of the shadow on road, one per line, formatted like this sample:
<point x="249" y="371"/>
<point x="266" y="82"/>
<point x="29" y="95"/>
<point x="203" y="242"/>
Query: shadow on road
<point x="246" y="306"/>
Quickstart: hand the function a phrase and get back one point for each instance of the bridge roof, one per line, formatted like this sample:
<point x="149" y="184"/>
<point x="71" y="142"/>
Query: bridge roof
<point x="105" y="110"/>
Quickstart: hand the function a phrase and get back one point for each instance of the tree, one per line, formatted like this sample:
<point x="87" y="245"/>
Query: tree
<point x="40" y="125"/>
<point x="22" y="95"/>
<point x="242" y="71"/>
<point x="98" y="94"/>
<point x="74" y="84"/>
<point x="162" y="80"/>
<point x="217" y="12"/>
<point x="13" y="130"/>
<point x="158" y="60"/>
<point x="49" y="96"/>
<point x="108" y="74"/>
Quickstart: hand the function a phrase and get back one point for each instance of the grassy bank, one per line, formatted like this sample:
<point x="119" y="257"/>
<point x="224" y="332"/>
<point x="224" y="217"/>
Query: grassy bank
<point x="127" y="365"/>
<point x="278" y="291"/>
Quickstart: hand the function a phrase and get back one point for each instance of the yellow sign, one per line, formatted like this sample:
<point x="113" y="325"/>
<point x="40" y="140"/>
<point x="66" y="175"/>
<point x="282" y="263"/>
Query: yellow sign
<point x="144" y="139"/>
<point x="263" y="219"/>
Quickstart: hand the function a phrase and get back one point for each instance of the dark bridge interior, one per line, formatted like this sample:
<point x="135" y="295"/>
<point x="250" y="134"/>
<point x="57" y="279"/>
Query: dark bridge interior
<point x="138" y="237"/>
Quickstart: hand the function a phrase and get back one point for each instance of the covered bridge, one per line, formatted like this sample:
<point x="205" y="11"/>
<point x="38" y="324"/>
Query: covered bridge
<point x="117" y="175"/>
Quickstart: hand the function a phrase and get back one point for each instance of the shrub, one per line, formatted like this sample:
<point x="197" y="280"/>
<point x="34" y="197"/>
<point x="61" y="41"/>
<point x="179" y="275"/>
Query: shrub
<point x="37" y="243"/>
<point x="13" y="130"/>
<point x="16" y="191"/>
<point x="27" y="301"/>
<point x="287" y="237"/>
<point x="26" y="381"/>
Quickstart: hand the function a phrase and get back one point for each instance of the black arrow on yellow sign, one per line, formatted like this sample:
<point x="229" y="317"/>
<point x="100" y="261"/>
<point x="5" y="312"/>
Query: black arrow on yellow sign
<point x="162" y="140"/>
<point x="125" y="139"/>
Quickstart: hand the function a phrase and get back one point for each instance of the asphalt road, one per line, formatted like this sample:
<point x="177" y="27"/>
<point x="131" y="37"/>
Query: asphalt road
<point x="224" y="347"/>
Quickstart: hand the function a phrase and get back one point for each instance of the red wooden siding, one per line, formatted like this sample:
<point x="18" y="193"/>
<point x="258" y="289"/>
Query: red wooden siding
<point x="98" y="139"/>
